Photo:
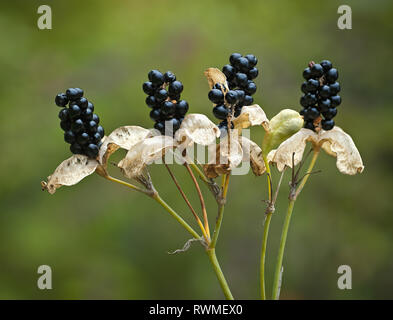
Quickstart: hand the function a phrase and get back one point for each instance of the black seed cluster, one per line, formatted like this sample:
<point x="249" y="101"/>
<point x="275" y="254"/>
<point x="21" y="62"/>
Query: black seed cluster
<point x="239" y="73"/>
<point x="320" y="94"/>
<point x="80" y="123"/>
<point x="164" y="91"/>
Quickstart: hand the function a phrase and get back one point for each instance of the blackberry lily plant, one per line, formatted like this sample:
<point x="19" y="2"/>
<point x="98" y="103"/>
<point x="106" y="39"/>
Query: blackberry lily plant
<point x="175" y="133"/>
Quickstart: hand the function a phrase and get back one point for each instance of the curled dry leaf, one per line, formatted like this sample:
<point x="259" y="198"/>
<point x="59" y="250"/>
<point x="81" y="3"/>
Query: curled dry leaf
<point x="70" y="172"/>
<point x="251" y="116"/>
<point x="340" y="144"/>
<point x="335" y="142"/>
<point x="227" y="155"/>
<point x="296" y="144"/>
<point x="197" y="128"/>
<point x="214" y="76"/>
<point x="253" y="153"/>
<point x="123" y="137"/>
<point x="144" y="153"/>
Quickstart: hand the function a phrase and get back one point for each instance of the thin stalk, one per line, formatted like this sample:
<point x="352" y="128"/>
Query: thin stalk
<point x="220" y="276"/>
<point x="157" y="197"/>
<point x="203" y="206"/>
<point x="277" y="273"/>
<point x="200" y="173"/>
<point x="225" y="184"/>
<point x="187" y="202"/>
<point x="173" y="213"/>
<point x="265" y="233"/>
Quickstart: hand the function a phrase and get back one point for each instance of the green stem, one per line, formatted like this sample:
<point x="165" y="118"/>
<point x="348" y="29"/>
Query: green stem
<point x="277" y="273"/>
<point x="263" y="254"/>
<point x="173" y="213"/>
<point x="220" y="276"/>
<point x="220" y="216"/>
<point x="265" y="234"/>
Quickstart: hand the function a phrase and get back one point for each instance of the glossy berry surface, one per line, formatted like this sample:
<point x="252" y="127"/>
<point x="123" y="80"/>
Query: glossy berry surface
<point x="61" y="100"/>
<point x="240" y="73"/>
<point x="320" y="97"/>
<point x="164" y="97"/>
<point x="80" y="123"/>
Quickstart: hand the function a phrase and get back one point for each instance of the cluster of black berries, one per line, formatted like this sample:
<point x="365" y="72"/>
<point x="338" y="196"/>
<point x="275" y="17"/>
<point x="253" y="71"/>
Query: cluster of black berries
<point x="80" y="123"/>
<point x="239" y="73"/>
<point x="163" y="92"/>
<point x="320" y="94"/>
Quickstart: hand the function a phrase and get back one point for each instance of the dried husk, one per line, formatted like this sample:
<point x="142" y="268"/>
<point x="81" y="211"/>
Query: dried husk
<point x="339" y="144"/>
<point x="70" y="172"/>
<point x="251" y="116"/>
<point x="253" y="153"/>
<point x="214" y="76"/>
<point x="144" y="153"/>
<point x="335" y="142"/>
<point x="124" y="137"/>
<point x="197" y="128"/>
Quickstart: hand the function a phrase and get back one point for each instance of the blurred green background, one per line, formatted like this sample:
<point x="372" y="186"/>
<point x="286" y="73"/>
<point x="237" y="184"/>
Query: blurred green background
<point x="103" y="241"/>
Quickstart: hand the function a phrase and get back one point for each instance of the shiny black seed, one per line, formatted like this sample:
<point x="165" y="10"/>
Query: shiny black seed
<point x="156" y="77"/>
<point x="155" y="114"/>
<point x="91" y="126"/>
<point x="64" y="114"/>
<point x="252" y="73"/>
<point x="169" y="77"/>
<point x="326" y="65"/>
<point x="101" y="131"/>
<point x="216" y="96"/>
<point x="311" y="113"/>
<point x="77" y="126"/>
<point x="330" y="114"/>
<point x="220" y="112"/>
<point x="316" y="70"/>
<point x="241" y="79"/>
<point x="161" y="95"/>
<point x="83" y="138"/>
<point x="312" y="85"/>
<point x="327" y="124"/>
<point x="181" y="108"/>
<point x="96" y="138"/>
<point x="168" y="108"/>
<point x="160" y="126"/>
<point x="242" y="64"/>
<point x="251" y="88"/>
<point x="75" y="111"/>
<point x="96" y="118"/>
<point x="176" y="87"/>
<point x="334" y="88"/>
<point x="61" y="100"/>
<point x="307" y="74"/>
<point x="76" y="148"/>
<point x="252" y="60"/>
<point x="82" y="103"/>
<point x="240" y="94"/>
<point x="65" y="125"/>
<point x="69" y="136"/>
<point x="231" y="97"/>
<point x="151" y="101"/>
<point x="92" y="150"/>
<point x="248" y="100"/>
<point x="233" y="57"/>
<point x="74" y="93"/>
<point x="90" y="106"/>
<point x="331" y="75"/>
<point x="324" y="92"/>
<point x="304" y="87"/>
<point x="311" y="99"/>
<point x="336" y="101"/>
<point x="302" y="112"/>
<point x="87" y="115"/>
<point x="309" y="125"/>
<point x="174" y="123"/>
<point x="229" y="71"/>
<point x="148" y="88"/>
<point x="324" y="105"/>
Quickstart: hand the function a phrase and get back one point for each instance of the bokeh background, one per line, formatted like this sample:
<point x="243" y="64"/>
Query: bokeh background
<point x="103" y="241"/>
